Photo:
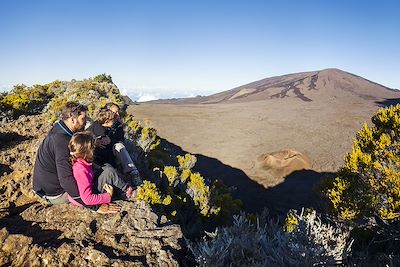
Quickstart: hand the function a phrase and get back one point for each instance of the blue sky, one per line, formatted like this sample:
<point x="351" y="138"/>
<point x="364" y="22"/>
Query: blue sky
<point x="181" y="48"/>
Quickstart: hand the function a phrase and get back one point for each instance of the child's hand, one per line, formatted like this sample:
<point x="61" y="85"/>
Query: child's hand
<point x="108" y="208"/>
<point x="109" y="189"/>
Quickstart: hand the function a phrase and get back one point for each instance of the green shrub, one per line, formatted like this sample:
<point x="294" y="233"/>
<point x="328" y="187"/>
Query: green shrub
<point x="186" y="162"/>
<point x="143" y="136"/>
<point x="55" y="86"/>
<point x="368" y="184"/>
<point x="194" y="205"/>
<point x="93" y="94"/>
<point x="29" y="100"/>
<point x="103" y="78"/>
<point x="149" y="193"/>
<point x="25" y="100"/>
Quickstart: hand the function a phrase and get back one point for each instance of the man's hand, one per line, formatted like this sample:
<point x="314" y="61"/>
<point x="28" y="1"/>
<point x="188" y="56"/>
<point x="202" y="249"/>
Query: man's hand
<point x="108" y="208"/>
<point x="109" y="189"/>
<point x="102" y="141"/>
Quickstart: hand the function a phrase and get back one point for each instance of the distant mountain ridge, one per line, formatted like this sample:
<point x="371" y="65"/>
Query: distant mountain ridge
<point x="304" y="86"/>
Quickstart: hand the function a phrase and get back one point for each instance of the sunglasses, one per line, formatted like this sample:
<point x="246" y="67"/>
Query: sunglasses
<point x="76" y="108"/>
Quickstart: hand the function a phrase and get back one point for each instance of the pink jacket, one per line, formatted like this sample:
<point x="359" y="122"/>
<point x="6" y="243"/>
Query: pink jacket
<point x="83" y="174"/>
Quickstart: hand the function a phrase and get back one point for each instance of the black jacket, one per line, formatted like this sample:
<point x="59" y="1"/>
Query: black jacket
<point x="116" y="134"/>
<point x="52" y="174"/>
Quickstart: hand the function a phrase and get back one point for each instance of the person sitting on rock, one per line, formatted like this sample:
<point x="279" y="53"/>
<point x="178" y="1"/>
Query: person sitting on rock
<point x="110" y="148"/>
<point x="81" y="148"/>
<point x="52" y="175"/>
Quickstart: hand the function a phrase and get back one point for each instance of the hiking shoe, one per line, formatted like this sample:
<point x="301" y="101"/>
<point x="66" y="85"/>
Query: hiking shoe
<point x="136" y="181"/>
<point x="135" y="178"/>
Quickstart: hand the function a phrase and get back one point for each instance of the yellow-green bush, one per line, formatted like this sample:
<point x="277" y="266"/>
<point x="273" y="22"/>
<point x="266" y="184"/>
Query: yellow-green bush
<point x="171" y="173"/>
<point x="93" y="94"/>
<point x="133" y="126"/>
<point x="85" y="85"/>
<point x="25" y="100"/>
<point x="186" y="162"/>
<point x="291" y="222"/>
<point x="194" y="205"/>
<point x="200" y="193"/>
<point x="369" y="182"/>
<point x="103" y="78"/>
<point x="53" y="86"/>
<point x="145" y="137"/>
<point x="149" y="193"/>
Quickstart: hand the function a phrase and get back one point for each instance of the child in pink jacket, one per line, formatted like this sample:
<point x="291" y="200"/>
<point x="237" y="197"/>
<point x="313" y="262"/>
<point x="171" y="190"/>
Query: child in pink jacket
<point x="81" y="148"/>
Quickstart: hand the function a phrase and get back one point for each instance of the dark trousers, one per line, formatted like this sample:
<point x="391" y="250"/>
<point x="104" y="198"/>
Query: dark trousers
<point x="106" y="174"/>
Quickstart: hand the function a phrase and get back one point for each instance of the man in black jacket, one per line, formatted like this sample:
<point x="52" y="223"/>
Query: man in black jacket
<point x="52" y="176"/>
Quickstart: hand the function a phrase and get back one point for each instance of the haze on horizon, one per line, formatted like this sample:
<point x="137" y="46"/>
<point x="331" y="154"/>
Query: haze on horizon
<point x="164" y="49"/>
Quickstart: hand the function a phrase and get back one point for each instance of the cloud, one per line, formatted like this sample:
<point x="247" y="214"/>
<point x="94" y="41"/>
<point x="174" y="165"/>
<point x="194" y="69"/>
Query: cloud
<point x="143" y="95"/>
<point x="147" y="97"/>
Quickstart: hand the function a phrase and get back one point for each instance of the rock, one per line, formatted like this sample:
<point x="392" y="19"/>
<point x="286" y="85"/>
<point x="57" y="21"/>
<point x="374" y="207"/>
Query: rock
<point x="73" y="235"/>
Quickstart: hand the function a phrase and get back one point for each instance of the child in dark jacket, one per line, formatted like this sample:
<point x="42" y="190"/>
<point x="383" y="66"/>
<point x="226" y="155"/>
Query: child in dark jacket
<point x="108" y="129"/>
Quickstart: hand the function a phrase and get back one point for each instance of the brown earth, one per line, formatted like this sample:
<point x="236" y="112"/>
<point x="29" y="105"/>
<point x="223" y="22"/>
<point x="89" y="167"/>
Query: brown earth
<point x="316" y="114"/>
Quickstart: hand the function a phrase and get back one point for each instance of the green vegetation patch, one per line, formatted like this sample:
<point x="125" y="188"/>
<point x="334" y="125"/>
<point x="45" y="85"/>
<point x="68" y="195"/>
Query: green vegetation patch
<point x="369" y="182"/>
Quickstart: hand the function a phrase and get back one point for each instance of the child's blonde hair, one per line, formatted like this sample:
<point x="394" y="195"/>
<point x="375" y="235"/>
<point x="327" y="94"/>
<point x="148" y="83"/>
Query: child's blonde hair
<point x="81" y="146"/>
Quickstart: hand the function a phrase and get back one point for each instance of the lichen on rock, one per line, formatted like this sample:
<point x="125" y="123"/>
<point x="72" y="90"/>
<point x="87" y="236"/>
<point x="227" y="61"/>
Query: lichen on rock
<point x="77" y="236"/>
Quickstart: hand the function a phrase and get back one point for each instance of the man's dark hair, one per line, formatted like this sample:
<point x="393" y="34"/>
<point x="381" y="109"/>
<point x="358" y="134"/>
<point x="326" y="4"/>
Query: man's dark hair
<point x="72" y="109"/>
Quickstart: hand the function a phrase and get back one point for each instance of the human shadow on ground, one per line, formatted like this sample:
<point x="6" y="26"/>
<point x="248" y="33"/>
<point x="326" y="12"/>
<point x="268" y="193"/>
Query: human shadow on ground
<point x="388" y="102"/>
<point x="296" y="191"/>
<point x="52" y="238"/>
<point x="15" y="224"/>
<point x="4" y="169"/>
<point x="10" y="139"/>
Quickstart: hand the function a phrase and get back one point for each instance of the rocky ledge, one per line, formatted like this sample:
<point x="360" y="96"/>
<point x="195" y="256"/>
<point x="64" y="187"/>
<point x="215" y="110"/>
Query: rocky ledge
<point x="35" y="234"/>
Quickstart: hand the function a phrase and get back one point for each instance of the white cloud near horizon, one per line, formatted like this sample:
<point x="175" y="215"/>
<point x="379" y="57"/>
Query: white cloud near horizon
<point x="144" y="95"/>
<point x="148" y="97"/>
